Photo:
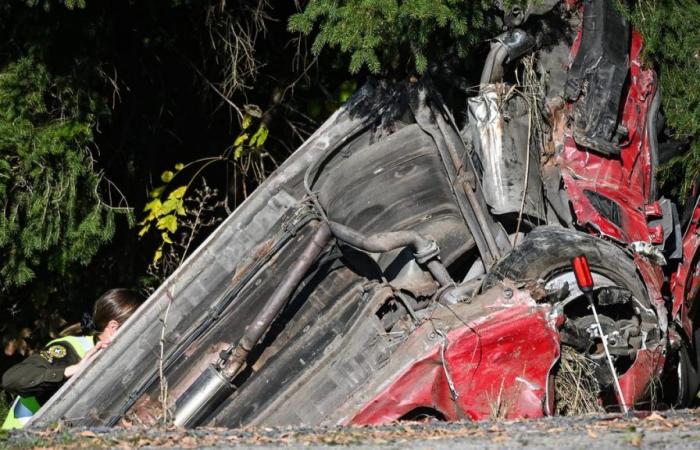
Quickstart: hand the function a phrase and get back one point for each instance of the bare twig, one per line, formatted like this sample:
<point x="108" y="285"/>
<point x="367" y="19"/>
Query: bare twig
<point x="575" y="384"/>
<point x="233" y="32"/>
<point x="215" y="89"/>
<point x="161" y="373"/>
<point x="531" y="96"/>
<point x="203" y="210"/>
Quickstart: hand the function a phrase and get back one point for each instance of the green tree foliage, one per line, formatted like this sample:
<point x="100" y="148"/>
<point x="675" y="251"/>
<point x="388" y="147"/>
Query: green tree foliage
<point x="100" y="95"/>
<point x="671" y="30"/>
<point x="382" y="34"/>
<point x="48" y="4"/>
<point x="52" y="215"/>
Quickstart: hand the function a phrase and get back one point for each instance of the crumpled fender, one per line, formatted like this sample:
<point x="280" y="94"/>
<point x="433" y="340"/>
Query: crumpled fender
<point x="495" y="365"/>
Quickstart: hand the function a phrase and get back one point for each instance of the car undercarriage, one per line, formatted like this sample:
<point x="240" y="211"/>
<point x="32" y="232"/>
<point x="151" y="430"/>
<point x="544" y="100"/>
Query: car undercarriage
<point x="412" y="261"/>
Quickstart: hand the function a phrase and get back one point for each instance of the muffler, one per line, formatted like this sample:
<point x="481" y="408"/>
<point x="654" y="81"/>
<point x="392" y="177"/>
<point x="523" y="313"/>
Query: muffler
<point x="215" y="384"/>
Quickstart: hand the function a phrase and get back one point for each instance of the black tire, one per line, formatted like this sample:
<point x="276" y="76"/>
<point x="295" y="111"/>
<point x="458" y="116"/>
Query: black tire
<point x="547" y="251"/>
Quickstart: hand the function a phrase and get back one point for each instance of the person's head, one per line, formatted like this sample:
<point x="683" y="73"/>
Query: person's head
<point x="112" y="309"/>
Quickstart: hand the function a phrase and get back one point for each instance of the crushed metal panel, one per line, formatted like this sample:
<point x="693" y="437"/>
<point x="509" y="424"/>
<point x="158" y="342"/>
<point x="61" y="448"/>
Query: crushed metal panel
<point x="599" y="72"/>
<point x="503" y="151"/>
<point x="488" y="359"/>
<point x="85" y="400"/>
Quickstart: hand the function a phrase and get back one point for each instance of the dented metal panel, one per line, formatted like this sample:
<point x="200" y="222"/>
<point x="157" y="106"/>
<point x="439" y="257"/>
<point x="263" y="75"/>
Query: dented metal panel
<point x="489" y="358"/>
<point x="510" y="165"/>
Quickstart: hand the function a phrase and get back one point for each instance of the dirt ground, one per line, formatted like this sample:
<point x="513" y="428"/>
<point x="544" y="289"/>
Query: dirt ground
<point x="676" y="429"/>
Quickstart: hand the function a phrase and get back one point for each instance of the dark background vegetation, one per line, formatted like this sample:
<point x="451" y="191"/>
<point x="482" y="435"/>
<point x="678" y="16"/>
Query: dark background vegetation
<point x="101" y="101"/>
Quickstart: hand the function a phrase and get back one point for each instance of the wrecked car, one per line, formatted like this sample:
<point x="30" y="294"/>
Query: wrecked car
<point x="408" y="261"/>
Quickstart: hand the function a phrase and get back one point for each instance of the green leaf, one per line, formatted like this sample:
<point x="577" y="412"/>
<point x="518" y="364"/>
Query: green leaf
<point x="178" y="193"/>
<point x="259" y="137"/>
<point x="246" y="121"/>
<point x="421" y="62"/>
<point x="237" y="152"/>
<point x="167" y="176"/>
<point x="155" y="193"/>
<point x="153" y="206"/>
<point x="347" y="88"/>
<point x="158" y="255"/>
<point x="240" y="139"/>
<point x="166" y="238"/>
<point x="144" y="230"/>
<point x="168" y="222"/>
<point x="169" y="206"/>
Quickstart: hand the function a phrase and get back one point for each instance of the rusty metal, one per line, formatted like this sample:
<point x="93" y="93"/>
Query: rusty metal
<point x="426" y="251"/>
<point x="215" y="384"/>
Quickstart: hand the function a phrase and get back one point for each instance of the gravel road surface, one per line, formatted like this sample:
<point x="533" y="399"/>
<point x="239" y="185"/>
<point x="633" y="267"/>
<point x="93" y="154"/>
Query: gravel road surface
<point x="676" y="429"/>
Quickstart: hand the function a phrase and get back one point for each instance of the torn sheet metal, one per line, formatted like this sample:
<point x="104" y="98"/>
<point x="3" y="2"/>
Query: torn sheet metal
<point x="685" y="281"/>
<point x="509" y="164"/>
<point x="599" y="72"/>
<point x="618" y="185"/>
<point x="483" y="363"/>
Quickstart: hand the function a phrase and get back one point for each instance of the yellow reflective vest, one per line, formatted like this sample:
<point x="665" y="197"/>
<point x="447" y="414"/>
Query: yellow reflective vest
<point x="23" y="408"/>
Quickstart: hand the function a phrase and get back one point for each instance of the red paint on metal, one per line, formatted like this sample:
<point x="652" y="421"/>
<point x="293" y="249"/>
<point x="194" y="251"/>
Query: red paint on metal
<point x="685" y="282"/>
<point x="653" y="210"/>
<point x="625" y="179"/>
<point x="503" y="362"/>
<point x="636" y="380"/>
<point x="498" y="366"/>
<point x="653" y="278"/>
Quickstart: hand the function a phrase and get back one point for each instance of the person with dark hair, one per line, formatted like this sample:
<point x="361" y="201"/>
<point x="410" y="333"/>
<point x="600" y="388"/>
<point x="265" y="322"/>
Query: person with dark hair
<point x="38" y="377"/>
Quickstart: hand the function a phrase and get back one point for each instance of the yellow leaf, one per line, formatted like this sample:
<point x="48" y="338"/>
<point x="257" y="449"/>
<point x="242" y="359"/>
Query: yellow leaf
<point x="144" y="230"/>
<point x="155" y="193"/>
<point x="166" y="237"/>
<point x="169" y="206"/>
<point x="237" y="152"/>
<point x="178" y="193"/>
<point x="153" y="206"/>
<point x="259" y="137"/>
<point x="179" y="166"/>
<point x="158" y="255"/>
<point x="167" y="176"/>
<point x="147" y="219"/>
<point x="168" y="222"/>
<point x="181" y="210"/>
<point x="240" y="139"/>
<point x="246" y="121"/>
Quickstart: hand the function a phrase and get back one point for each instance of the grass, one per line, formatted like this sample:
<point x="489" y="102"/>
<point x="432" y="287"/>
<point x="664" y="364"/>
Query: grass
<point x="575" y="385"/>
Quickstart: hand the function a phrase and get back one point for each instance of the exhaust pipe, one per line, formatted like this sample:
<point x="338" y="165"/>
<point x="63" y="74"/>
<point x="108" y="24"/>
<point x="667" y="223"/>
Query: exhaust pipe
<point x="200" y="399"/>
<point x="215" y="384"/>
<point x="505" y="48"/>
<point x="426" y="251"/>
